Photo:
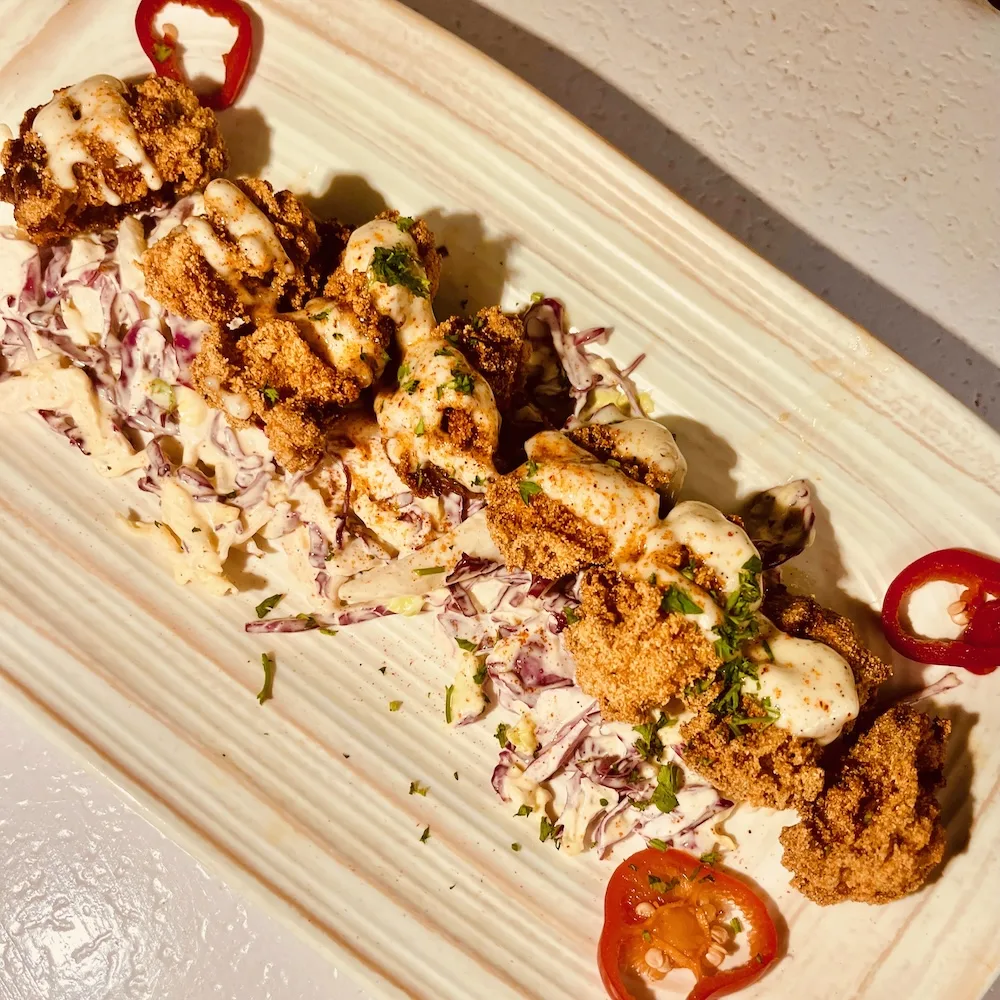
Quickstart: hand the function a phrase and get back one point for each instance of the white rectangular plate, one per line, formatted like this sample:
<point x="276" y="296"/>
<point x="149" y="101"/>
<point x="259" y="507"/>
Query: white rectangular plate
<point x="357" y="101"/>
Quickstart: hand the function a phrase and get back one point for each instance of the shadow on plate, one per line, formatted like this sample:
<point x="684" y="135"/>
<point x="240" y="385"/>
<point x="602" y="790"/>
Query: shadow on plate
<point x="248" y="139"/>
<point x="679" y="165"/>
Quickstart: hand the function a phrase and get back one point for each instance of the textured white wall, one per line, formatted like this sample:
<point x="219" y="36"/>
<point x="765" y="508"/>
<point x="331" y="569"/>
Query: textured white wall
<point x="853" y="143"/>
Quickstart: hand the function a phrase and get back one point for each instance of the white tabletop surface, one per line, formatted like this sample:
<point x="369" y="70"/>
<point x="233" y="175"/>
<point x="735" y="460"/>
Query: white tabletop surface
<point x="853" y="144"/>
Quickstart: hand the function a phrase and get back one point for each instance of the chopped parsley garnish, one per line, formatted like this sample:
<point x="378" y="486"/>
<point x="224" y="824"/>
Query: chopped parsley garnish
<point x="668" y="782"/>
<point x="443" y="352"/>
<point x="406" y="383"/>
<point x="767" y="649"/>
<point x="688" y="571"/>
<point x="449" y="693"/>
<point x="417" y="789"/>
<point x="614" y="463"/>
<point x="657" y="883"/>
<point x="549" y="831"/>
<point x="480" y="675"/>
<point x="467" y="644"/>
<point x="460" y="381"/>
<point x="674" y="599"/>
<point x="515" y="846"/>
<point x="395" y="706"/>
<point x="270" y="394"/>
<point x="657" y="844"/>
<point x="501" y="734"/>
<point x="531" y="469"/>
<point x="572" y="615"/>
<point x="478" y="481"/>
<point x="405" y="223"/>
<point x="320" y="316"/>
<point x="419" y="429"/>
<point x="528" y="489"/>
<point x="537" y="296"/>
<point x="429" y="570"/>
<point x="158" y="387"/>
<point x="710" y="858"/>
<point x="648" y="743"/>
<point x="396" y="266"/>
<point x="425" y="835"/>
<point x="523" y="811"/>
<point x="647" y="937"/>
<point x="268" y="605"/>
<point x="267" y="691"/>
<point x="735" y="926"/>
<point x="327" y="631"/>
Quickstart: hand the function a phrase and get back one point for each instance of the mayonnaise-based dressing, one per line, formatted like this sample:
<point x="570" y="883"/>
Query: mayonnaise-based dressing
<point x="599" y="494"/>
<point x="651" y="444"/>
<point x="810" y="684"/>
<point x="721" y="545"/>
<point x="228" y="208"/>
<point x="92" y="109"/>
<point x="342" y="340"/>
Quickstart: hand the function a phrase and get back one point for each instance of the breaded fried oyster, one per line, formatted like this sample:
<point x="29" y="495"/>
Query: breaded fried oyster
<point x="245" y="249"/>
<point x="875" y="834"/>
<point x="102" y="149"/>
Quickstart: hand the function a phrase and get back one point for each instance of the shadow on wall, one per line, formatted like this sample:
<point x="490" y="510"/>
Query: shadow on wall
<point x="700" y="182"/>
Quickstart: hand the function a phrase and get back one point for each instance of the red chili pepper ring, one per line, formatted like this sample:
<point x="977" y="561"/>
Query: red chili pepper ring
<point x="978" y="647"/>
<point x="162" y="49"/>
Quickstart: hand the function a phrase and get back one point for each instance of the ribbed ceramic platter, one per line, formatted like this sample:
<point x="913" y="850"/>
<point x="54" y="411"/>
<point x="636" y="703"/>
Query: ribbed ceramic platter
<point x="305" y="800"/>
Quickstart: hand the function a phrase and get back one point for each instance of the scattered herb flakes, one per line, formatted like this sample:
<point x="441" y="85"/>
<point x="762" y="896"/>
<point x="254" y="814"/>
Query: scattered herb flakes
<point x="417" y="789"/>
<point x="449" y="693"/>
<point x="397" y="266"/>
<point x="429" y="570"/>
<point x="268" y="605"/>
<point x="548" y="831"/>
<point x="524" y="810"/>
<point x="572" y="615"/>
<point x="327" y="631"/>
<point x="710" y="857"/>
<point x="480" y="675"/>
<point x="668" y="782"/>
<point x="657" y="844"/>
<point x="528" y="489"/>
<point x="767" y="649"/>
<point x="320" y="316"/>
<point x="614" y="463"/>
<point x="501" y="734"/>
<point x="515" y="846"/>
<point x="425" y="836"/>
<point x="159" y="387"/>
<point x="647" y="937"/>
<point x="267" y="691"/>
<point x="478" y="481"/>
<point x="656" y="883"/>
<point x="531" y="470"/>
<point x="462" y="381"/>
<point x="405" y="223"/>
<point x="444" y="352"/>
<point x="674" y="599"/>
<point x="735" y="926"/>
<point x="420" y="429"/>
<point x="406" y="382"/>
<point x="537" y="297"/>
<point x="395" y="706"/>
<point x="648" y="742"/>
<point x="270" y="394"/>
<point x="467" y="644"/>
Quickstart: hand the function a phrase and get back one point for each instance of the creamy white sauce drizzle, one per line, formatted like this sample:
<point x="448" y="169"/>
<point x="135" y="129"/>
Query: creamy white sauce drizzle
<point x="342" y="340"/>
<point x="94" y="109"/>
<point x="810" y="684"/>
<point x="653" y="445"/>
<point x="226" y="206"/>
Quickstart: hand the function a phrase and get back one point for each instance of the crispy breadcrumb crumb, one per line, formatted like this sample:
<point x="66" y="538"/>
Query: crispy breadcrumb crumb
<point x="631" y="656"/>
<point x="803" y="617"/>
<point x="875" y="834"/>
<point x="180" y="277"/>
<point x="180" y="137"/>
<point x="494" y="343"/>
<point x="602" y="442"/>
<point x="764" y="766"/>
<point x="544" y="536"/>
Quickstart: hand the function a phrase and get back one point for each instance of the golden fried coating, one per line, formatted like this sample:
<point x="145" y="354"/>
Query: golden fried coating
<point x="765" y="765"/>
<point x="180" y="138"/>
<point x="803" y="617"/>
<point x="545" y="538"/>
<point x="181" y="277"/>
<point x="875" y="834"/>
<point x="294" y="373"/>
<point x="602" y="442"/>
<point x="494" y="343"/>
<point x="631" y="656"/>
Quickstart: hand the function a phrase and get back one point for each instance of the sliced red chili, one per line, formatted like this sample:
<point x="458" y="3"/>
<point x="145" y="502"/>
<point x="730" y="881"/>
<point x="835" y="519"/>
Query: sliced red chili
<point x="162" y="49"/>
<point x="978" y="647"/>
<point x="666" y="909"/>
